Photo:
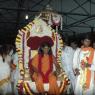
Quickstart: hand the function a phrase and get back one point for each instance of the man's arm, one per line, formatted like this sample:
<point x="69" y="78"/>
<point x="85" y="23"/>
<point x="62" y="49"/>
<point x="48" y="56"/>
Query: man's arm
<point x="75" y="62"/>
<point x="93" y="64"/>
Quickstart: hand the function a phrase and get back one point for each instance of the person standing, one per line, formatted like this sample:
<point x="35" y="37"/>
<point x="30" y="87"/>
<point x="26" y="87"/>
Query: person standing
<point x="5" y="73"/>
<point x="84" y="67"/>
<point x="67" y="65"/>
<point x="15" y="73"/>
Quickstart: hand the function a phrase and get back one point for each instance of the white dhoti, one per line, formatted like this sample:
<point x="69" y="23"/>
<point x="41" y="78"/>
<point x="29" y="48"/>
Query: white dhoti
<point x="80" y="91"/>
<point x="67" y="65"/>
<point x="14" y="78"/>
<point x="5" y="82"/>
<point x="15" y="74"/>
<point x="72" y="78"/>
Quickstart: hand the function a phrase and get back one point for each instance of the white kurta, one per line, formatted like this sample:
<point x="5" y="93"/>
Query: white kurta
<point x="67" y="62"/>
<point x="5" y="73"/>
<point x="15" y="73"/>
<point x="78" y="56"/>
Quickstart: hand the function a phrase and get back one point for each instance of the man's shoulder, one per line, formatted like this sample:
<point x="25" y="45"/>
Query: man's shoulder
<point x="68" y="47"/>
<point x="78" y="50"/>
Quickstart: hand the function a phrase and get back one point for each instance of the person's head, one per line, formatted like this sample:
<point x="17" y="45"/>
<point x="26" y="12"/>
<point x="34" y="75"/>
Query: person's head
<point x="7" y="48"/>
<point x="45" y="48"/>
<point x="65" y="43"/>
<point x="73" y="44"/>
<point x="86" y="41"/>
<point x="94" y="45"/>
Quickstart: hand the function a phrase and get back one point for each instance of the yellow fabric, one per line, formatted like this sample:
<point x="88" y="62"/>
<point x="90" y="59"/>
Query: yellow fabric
<point x="3" y="81"/>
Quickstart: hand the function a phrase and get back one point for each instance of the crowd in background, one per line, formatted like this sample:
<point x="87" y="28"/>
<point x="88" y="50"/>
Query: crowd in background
<point x="76" y="59"/>
<point x="9" y="72"/>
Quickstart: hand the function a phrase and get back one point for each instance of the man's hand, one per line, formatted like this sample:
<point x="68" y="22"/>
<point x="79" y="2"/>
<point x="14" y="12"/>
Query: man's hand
<point x="12" y="66"/>
<point x="54" y="73"/>
<point x="77" y="72"/>
<point x="87" y="65"/>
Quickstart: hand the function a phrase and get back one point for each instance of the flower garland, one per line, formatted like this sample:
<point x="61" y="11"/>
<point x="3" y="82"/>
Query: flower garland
<point x="21" y="43"/>
<point x="85" y="72"/>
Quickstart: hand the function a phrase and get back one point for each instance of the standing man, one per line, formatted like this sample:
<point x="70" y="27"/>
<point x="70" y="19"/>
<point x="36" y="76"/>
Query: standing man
<point x="84" y="67"/>
<point x="67" y="64"/>
<point x="15" y="73"/>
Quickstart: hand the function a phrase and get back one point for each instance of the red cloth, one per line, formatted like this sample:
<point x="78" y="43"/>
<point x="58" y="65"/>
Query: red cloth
<point x="35" y="42"/>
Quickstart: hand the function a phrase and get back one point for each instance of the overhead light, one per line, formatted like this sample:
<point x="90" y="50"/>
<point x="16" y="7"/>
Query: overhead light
<point x="26" y="16"/>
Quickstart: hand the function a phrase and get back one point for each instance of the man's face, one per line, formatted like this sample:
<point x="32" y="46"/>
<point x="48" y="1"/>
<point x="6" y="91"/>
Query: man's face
<point x="73" y="45"/>
<point x="86" y="42"/>
<point x="64" y="45"/>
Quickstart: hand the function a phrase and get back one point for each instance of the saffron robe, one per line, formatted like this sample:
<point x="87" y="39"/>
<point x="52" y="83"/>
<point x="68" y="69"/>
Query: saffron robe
<point x="43" y="73"/>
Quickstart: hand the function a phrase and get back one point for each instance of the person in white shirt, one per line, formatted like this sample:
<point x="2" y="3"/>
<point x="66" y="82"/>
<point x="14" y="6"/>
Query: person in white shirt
<point x="5" y="71"/>
<point x="15" y="73"/>
<point x="67" y="64"/>
<point x="84" y="67"/>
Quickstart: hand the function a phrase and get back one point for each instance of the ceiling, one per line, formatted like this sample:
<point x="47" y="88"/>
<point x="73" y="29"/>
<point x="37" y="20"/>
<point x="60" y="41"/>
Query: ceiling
<point x="78" y="15"/>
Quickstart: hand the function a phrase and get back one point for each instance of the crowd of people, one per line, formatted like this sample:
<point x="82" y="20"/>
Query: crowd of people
<point x="79" y="65"/>
<point x="9" y="73"/>
<point x="77" y="62"/>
